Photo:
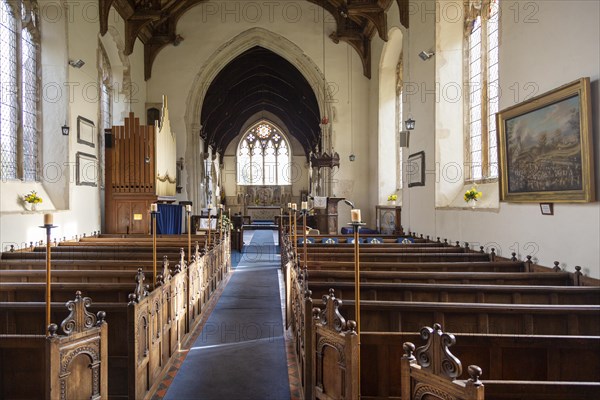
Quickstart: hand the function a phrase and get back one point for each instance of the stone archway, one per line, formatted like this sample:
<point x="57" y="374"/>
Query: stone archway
<point x="207" y="73"/>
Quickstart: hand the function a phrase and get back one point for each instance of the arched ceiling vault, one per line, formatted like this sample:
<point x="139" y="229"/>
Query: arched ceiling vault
<point x="255" y="81"/>
<point x="154" y="22"/>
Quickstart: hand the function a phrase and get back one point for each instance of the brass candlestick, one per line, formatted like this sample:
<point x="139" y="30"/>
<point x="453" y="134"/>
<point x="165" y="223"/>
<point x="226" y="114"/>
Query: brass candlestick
<point x="209" y="210"/>
<point x="304" y="247"/>
<point x="188" y="211"/>
<point x="295" y="232"/>
<point x="153" y="214"/>
<point x="290" y="222"/>
<point x="356" y="228"/>
<point x="220" y="224"/>
<point x="48" y="226"/>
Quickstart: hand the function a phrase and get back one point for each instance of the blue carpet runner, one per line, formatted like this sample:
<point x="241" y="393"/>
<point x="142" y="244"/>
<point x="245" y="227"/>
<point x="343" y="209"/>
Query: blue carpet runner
<point x="240" y="353"/>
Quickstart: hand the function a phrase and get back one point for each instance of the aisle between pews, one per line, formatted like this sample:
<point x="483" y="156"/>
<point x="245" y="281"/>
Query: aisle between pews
<point x="240" y="352"/>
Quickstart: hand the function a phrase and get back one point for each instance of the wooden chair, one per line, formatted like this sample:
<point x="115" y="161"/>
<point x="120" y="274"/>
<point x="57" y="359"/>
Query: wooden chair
<point x="432" y="374"/>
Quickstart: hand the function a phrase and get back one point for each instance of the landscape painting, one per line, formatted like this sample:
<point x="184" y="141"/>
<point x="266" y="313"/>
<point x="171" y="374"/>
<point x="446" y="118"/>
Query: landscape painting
<point x="545" y="148"/>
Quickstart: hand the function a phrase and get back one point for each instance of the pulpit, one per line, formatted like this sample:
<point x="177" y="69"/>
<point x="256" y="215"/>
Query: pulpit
<point x="326" y="219"/>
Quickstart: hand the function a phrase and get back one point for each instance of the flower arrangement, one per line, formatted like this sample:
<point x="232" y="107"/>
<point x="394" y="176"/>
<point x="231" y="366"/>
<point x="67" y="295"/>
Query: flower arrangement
<point x="226" y="222"/>
<point x="472" y="194"/>
<point x="32" y="198"/>
<point x="392" y="197"/>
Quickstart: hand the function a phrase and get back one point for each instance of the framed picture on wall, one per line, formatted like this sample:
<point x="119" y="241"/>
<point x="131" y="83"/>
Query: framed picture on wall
<point x="86" y="132"/>
<point x="545" y="147"/>
<point x="415" y="169"/>
<point x="86" y="169"/>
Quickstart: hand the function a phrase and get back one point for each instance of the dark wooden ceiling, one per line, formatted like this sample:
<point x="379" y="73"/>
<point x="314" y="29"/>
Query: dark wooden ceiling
<point x="259" y="80"/>
<point x="154" y="22"/>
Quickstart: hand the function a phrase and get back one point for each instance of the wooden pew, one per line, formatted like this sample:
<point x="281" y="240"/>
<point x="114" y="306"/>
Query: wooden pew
<point x="474" y="266"/>
<point x="73" y="275"/>
<point x="434" y="370"/>
<point x="457" y="293"/>
<point x="446" y="277"/>
<point x="72" y="365"/>
<point x="501" y="357"/>
<point x="108" y="254"/>
<point x="401" y="257"/>
<point x="499" y="321"/>
<point x="421" y="371"/>
<point x="493" y="278"/>
<point x="523" y="319"/>
<point x="87" y="264"/>
<point x="147" y="330"/>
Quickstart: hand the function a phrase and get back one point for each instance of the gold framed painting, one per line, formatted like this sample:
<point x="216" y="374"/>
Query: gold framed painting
<point x="545" y="147"/>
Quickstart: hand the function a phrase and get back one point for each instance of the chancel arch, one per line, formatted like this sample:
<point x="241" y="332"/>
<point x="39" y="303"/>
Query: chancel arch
<point x="199" y="133"/>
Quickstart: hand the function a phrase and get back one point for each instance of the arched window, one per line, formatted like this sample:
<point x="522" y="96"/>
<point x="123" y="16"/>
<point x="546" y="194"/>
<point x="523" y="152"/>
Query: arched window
<point x="105" y="89"/>
<point x="263" y="156"/>
<point x="482" y="74"/>
<point x="399" y="121"/>
<point x="19" y="103"/>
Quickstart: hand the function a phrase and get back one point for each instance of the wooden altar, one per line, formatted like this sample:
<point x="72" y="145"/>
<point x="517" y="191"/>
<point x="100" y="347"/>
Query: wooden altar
<point x="263" y="213"/>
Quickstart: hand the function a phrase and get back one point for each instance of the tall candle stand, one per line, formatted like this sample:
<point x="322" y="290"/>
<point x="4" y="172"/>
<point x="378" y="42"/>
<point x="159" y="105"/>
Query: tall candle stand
<point x="48" y="227"/>
<point x="295" y="232"/>
<point x="220" y="222"/>
<point x="304" y="244"/>
<point x="209" y="223"/>
<point x="188" y="211"/>
<point x="289" y="220"/>
<point x="356" y="224"/>
<point x="153" y="214"/>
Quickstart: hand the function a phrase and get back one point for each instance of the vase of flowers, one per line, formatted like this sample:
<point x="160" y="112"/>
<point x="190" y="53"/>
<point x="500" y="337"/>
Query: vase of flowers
<point x="471" y="196"/>
<point x="31" y="200"/>
<point x="392" y="199"/>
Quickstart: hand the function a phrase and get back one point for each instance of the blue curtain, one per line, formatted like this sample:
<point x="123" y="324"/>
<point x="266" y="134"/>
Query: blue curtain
<point x="168" y="220"/>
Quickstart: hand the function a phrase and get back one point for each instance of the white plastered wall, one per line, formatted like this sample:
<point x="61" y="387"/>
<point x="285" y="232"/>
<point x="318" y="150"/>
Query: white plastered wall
<point x="68" y="31"/>
<point x="541" y="48"/>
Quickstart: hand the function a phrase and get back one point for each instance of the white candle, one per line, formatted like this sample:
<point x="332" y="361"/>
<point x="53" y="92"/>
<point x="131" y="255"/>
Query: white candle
<point x="210" y="205"/>
<point x="289" y="205"/>
<point x="220" y="206"/>
<point x="304" y="205"/>
<point x="355" y="212"/>
<point x="294" y="206"/>
<point x="48" y="219"/>
<point x="188" y="208"/>
<point x="153" y="207"/>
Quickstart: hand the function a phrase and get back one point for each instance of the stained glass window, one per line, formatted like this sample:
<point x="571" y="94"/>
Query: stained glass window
<point x="19" y="91"/>
<point x="263" y="156"/>
<point x="482" y="72"/>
